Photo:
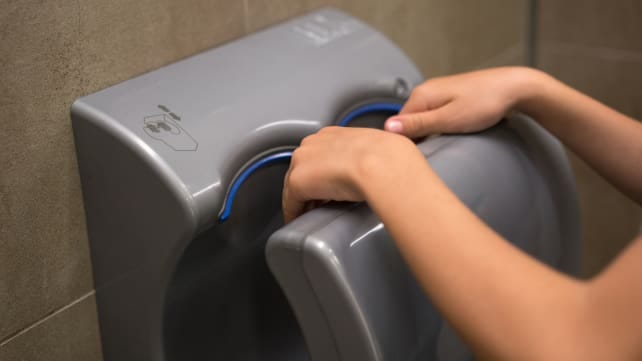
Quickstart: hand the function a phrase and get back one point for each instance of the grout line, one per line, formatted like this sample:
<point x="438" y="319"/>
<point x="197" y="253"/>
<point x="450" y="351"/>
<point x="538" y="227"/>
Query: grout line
<point x="46" y="318"/>
<point x="246" y="16"/>
<point x="532" y="33"/>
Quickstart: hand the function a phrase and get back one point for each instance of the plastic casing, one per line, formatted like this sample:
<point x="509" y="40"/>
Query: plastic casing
<point x="351" y="290"/>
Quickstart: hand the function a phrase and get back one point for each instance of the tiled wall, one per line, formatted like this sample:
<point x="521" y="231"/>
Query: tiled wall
<point x="595" y="46"/>
<point x="52" y="52"/>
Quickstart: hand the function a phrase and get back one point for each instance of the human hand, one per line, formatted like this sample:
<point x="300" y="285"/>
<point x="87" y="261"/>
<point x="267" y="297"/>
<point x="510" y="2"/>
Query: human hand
<point x="461" y="103"/>
<point x="340" y="164"/>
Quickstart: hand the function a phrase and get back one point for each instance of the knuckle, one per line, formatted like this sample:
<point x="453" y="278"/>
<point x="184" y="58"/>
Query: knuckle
<point x="307" y="139"/>
<point x="295" y="180"/>
<point x="414" y="121"/>
<point x="297" y="151"/>
<point x="417" y="92"/>
<point x="423" y="88"/>
<point x="328" y="130"/>
<point x="295" y="158"/>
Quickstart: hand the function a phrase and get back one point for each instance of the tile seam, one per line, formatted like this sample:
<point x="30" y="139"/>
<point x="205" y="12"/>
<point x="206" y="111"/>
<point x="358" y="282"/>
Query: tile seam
<point x="532" y="32"/>
<point x="46" y="318"/>
<point x="246" y="16"/>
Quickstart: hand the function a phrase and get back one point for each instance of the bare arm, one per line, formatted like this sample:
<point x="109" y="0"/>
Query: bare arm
<point x="609" y="141"/>
<point x="504" y="303"/>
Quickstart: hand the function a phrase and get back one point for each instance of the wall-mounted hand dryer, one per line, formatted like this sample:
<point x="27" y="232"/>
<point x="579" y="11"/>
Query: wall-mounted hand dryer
<point x="182" y="171"/>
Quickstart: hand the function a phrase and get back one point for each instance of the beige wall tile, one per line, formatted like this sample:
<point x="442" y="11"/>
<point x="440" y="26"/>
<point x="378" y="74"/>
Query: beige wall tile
<point x="68" y="335"/>
<point x="121" y="38"/>
<point x="39" y="71"/>
<point x="52" y="53"/>
<point x="44" y="260"/>
<point x="262" y="13"/>
<point x="594" y="46"/>
<point x="609" y="219"/>
<point x="597" y="23"/>
<point x="446" y="36"/>
<point x="515" y="55"/>
<point x="450" y="36"/>
<point x="44" y="254"/>
<point x="613" y="77"/>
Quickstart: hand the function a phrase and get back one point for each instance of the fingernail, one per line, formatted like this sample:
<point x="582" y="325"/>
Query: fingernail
<point x="394" y="125"/>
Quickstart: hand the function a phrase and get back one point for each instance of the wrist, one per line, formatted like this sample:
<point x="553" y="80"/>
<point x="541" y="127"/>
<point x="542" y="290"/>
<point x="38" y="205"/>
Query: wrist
<point x="388" y="172"/>
<point x="529" y="89"/>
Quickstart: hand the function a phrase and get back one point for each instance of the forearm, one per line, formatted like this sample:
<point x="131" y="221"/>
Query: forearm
<point x="607" y="140"/>
<point x="507" y="305"/>
<point x="504" y="303"/>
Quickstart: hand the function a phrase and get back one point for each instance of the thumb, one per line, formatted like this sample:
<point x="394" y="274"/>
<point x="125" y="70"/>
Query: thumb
<point x="414" y="125"/>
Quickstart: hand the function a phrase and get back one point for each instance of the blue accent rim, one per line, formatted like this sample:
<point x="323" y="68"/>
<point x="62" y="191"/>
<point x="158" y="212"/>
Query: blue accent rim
<point x="272" y="158"/>
<point x="391" y="108"/>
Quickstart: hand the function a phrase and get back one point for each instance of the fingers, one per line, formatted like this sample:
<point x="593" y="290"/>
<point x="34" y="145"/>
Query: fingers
<point x="291" y="205"/>
<point x="293" y="202"/>
<point x="430" y="95"/>
<point x="423" y="111"/>
<point x="414" y="125"/>
<point x="322" y="168"/>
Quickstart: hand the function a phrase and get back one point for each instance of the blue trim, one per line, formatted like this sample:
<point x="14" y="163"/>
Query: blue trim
<point x="392" y="108"/>
<point x="272" y="158"/>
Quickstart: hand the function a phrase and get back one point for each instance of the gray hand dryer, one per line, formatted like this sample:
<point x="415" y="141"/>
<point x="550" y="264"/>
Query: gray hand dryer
<point x="182" y="172"/>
